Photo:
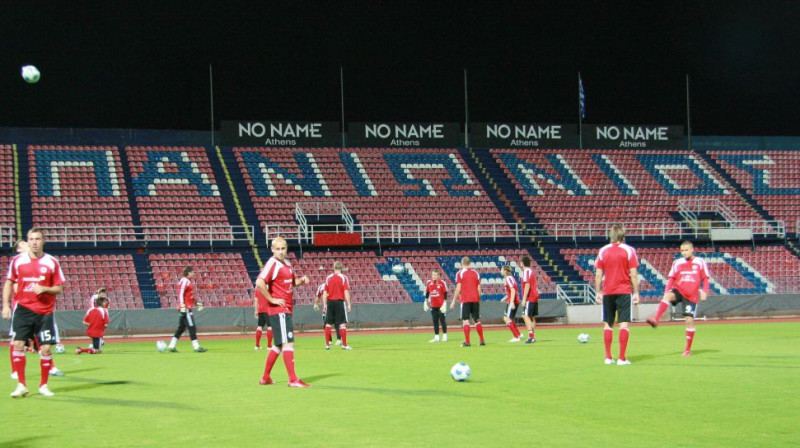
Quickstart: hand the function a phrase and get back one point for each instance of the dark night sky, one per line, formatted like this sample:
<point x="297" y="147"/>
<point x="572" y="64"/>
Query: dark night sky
<point x="145" y="64"/>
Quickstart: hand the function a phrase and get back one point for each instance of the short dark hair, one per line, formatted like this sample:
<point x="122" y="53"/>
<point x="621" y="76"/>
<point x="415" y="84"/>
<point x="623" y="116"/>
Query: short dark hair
<point x="187" y="270"/>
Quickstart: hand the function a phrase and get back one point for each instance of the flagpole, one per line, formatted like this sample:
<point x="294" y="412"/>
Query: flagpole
<point x="688" y="114"/>
<point x="580" y="117"/>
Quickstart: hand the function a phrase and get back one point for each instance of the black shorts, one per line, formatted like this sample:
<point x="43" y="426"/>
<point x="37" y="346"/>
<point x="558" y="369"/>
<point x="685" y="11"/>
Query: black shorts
<point x="263" y="320"/>
<point x="282" y="328"/>
<point x="683" y="305"/>
<point x="27" y="324"/>
<point x="511" y="313"/>
<point x="336" y="313"/>
<point x="531" y="309"/>
<point x="471" y="310"/>
<point x="616" y="306"/>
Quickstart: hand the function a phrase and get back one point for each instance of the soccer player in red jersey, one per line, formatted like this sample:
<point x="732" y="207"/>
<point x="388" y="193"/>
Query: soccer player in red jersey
<point x="616" y="271"/>
<point x="687" y="286"/>
<point x="96" y="321"/>
<point x="276" y="282"/>
<point x="512" y="297"/>
<point x="530" y="299"/>
<point x="186" y="304"/>
<point x="261" y="305"/>
<point x="468" y="289"/>
<point x="336" y="304"/>
<point x="435" y="298"/>
<point x="317" y="301"/>
<point x="39" y="279"/>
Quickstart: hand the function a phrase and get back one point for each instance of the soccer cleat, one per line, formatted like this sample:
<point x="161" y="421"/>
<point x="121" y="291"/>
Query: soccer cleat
<point x="298" y="383"/>
<point x="514" y="340"/>
<point x="436" y="339"/>
<point x="482" y="343"/>
<point x="338" y="342"/>
<point x="266" y="381"/>
<point x="327" y="347"/>
<point x="609" y="361"/>
<point x="687" y="353"/>
<point x="54" y="371"/>
<point x="653" y="323"/>
<point x="347" y="347"/>
<point x="14" y="376"/>
<point x="444" y="338"/>
<point x="20" y="391"/>
<point x="530" y="340"/>
<point x="172" y="349"/>
<point x="256" y="348"/>
<point x="200" y="350"/>
<point x="44" y="390"/>
<point x="466" y="344"/>
<point x="623" y="362"/>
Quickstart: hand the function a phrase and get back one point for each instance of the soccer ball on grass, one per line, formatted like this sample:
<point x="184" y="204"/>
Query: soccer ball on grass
<point x="60" y="348"/>
<point x="583" y="338"/>
<point x="161" y="346"/>
<point x="460" y="371"/>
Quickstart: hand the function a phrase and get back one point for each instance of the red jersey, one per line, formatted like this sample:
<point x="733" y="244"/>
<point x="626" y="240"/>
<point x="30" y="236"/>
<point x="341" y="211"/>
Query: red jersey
<point x="437" y="292"/>
<point x="186" y="293"/>
<point x="687" y="275"/>
<point x="27" y="272"/>
<point x="470" y="281"/>
<point x="262" y="305"/>
<point x="320" y="290"/>
<point x="528" y="278"/>
<point x="616" y="260"/>
<point x="511" y="286"/>
<point x="97" y="318"/>
<point x="336" y="284"/>
<point x="279" y="277"/>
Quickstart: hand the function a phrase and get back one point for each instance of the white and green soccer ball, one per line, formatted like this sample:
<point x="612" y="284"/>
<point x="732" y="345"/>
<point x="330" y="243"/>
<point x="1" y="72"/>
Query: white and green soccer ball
<point x="161" y="346"/>
<point x="583" y="338"/>
<point x="60" y="348"/>
<point x="460" y="371"/>
<point x="31" y="74"/>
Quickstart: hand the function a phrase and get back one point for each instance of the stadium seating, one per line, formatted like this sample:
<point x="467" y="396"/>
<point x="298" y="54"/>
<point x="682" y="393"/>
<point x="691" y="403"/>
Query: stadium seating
<point x="566" y="186"/>
<point x="394" y="186"/>
<point x="79" y="186"/>
<point x="221" y="279"/>
<point x="771" y="178"/>
<point x="87" y="273"/>
<point x="174" y="189"/>
<point x="7" y="214"/>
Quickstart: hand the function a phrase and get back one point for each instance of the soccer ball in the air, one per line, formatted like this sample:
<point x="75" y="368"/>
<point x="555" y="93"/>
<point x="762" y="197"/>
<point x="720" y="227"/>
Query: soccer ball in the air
<point x="583" y="338"/>
<point x="31" y="74"/>
<point x="60" y="348"/>
<point x="460" y="371"/>
<point x="398" y="269"/>
<point x="161" y="346"/>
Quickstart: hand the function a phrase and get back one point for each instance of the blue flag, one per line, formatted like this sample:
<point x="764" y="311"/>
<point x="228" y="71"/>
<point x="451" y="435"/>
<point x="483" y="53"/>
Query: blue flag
<point x="581" y="98"/>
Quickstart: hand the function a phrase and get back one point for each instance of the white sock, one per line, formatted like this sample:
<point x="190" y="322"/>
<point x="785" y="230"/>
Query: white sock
<point x="436" y="337"/>
<point x="444" y="337"/>
<point x="195" y="344"/>
<point x="173" y="342"/>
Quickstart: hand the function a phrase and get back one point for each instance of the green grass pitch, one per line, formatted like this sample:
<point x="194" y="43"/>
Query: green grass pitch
<point x="740" y="388"/>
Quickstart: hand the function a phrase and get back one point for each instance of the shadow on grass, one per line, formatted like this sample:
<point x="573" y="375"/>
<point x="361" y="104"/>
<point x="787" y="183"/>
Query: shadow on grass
<point x="74" y="371"/>
<point x="125" y="403"/>
<point x="23" y="443"/>
<point x="90" y="384"/>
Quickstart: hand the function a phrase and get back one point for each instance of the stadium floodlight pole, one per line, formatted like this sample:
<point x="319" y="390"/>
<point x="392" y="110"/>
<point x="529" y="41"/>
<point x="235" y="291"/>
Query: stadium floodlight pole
<point x="211" y="91"/>
<point x="466" y="112"/>
<point x="688" y="114"/>
<point x="580" y="110"/>
<point x="341" y="94"/>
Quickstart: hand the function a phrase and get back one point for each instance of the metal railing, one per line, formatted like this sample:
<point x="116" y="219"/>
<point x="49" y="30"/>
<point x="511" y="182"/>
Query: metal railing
<point x="575" y="293"/>
<point x="167" y="234"/>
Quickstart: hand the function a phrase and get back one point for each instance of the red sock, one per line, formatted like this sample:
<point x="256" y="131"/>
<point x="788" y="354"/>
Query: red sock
<point x="85" y="350"/>
<point x="288" y="360"/>
<point x="327" y="335"/>
<point x="516" y="329"/>
<point x="274" y="352"/>
<point x="259" y="332"/>
<point x="662" y="307"/>
<point x="624" y="334"/>
<point x="343" y="334"/>
<point x="608" y="337"/>
<point x="479" y="329"/>
<point x="93" y="351"/>
<point x="269" y="337"/>
<point x="510" y="326"/>
<point x="530" y="334"/>
<point x="11" y="354"/>
<point x="466" y="333"/>
<point x="689" y="338"/>
<point x="44" y="363"/>
<point x="18" y="361"/>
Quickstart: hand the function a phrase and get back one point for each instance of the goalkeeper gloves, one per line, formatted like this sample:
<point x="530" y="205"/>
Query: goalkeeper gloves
<point x="425" y="306"/>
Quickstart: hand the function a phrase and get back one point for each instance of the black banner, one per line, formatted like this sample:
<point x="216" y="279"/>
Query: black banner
<point x="280" y="133"/>
<point x="404" y="135"/>
<point x="611" y="136"/>
<point x="523" y="135"/>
